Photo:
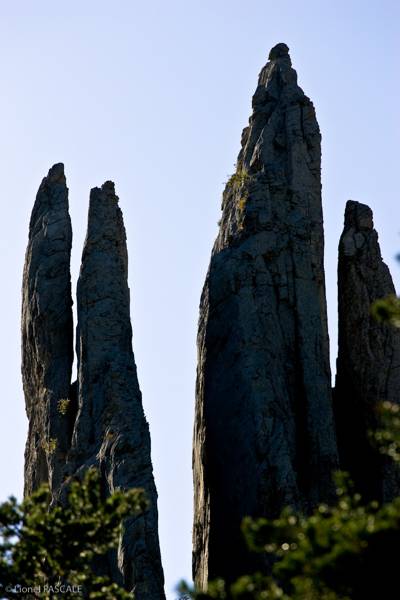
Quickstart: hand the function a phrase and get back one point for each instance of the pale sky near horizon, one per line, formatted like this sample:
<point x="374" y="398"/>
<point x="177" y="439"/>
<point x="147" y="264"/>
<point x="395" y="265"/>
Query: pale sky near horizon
<point x="154" y="96"/>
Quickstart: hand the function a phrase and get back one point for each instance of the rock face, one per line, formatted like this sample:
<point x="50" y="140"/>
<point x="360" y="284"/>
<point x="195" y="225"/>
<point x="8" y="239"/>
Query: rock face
<point x="368" y="364"/>
<point x="102" y="413"/>
<point x="264" y="432"/>
<point x="47" y="334"/>
<point x="111" y="430"/>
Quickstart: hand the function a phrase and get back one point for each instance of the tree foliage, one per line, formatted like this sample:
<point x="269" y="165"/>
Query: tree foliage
<point x="387" y="310"/>
<point x="50" y="551"/>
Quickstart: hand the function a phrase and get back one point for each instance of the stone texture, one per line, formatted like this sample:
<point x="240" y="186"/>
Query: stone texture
<point x="47" y="333"/>
<point x="111" y="430"/>
<point x="98" y="420"/>
<point x="368" y="364"/>
<point x="264" y="432"/>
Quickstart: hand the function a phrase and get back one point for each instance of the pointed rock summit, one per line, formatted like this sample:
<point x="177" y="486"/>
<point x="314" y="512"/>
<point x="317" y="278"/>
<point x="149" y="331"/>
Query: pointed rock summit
<point x="47" y="332"/>
<point x="111" y="431"/>
<point x="368" y="364"/>
<point x="264" y="431"/>
<point x="99" y="420"/>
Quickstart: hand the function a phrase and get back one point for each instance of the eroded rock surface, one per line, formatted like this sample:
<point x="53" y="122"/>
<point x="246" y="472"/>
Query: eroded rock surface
<point x="368" y="364"/>
<point x="111" y="430"/>
<point x="98" y="421"/>
<point x="47" y="332"/>
<point x="264" y="432"/>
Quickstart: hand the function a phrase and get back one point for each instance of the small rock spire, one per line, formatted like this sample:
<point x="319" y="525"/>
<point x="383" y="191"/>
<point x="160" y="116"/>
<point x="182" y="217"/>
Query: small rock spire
<point x="111" y="430"/>
<point x="99" y="420"/>
<point x="369" y="356"/>
<point x="47" y="333"/>
<point x="278" y="51"/>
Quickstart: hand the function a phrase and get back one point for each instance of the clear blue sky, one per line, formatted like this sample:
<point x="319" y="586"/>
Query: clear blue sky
<point x="154" y="96"/>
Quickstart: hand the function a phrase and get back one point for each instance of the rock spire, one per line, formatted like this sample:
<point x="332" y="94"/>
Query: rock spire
<point x="368" y="364"/>
<point x="47" y="332"/>
<point x="99" y="420"/>
<point x="111" y="430"/>
<point x="264" y="433"/>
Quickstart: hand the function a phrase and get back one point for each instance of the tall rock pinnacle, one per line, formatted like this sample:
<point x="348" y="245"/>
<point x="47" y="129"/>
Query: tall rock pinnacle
<point x="111" y="430"/>
<point x="99" y="420"/>
<point x="47" y="332"/>
<point x="264" y="433"/>
<point x="368" y="364"/>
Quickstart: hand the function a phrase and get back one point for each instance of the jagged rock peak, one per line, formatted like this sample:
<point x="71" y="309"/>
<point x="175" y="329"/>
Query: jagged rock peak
<point x="279" y="61"/>
<point x="358" y="215"/>
<point x="368" y="357"/>
<point x="264" y="432"/>
<point x="280" y="144"/>
<point x="105" y="231"/>
<point x="111" y="430"/>
<point x="108" y="187"/>
<point x="278" y="51"/>
<point x="52" y="193"/>
<point x="97" y="421"/>
<point x="56" y="174"/>
<point x="47" y="332"/>
<point x="103" y="298"/>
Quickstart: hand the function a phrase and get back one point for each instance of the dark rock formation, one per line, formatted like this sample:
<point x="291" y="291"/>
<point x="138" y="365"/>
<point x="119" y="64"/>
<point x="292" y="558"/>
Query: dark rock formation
<point x="111" y="430"/>
<point x="47" y="335"/>
<point x="99" y="420"/>
<point x="264" y="433"/>
<point x="368" y="364"/>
